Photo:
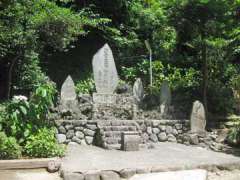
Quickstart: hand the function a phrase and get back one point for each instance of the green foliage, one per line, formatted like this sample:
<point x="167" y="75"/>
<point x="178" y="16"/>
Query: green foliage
<point x="235" y="82"/>
<point x="140" y="70"/>
<point x="41" y="100"/>
<point x="9" y="149"/>
<point x="2" y="114"/>
<point x="29" y="74"/>
<point x="178" y="78"/>
<point x="16" y="123"/>
<point x="24" y="117"/>
<point x="85" y="86"/>
<point x="234" y="132"/>
<point x="43" y="144"/>
<point x="197" y="42"/>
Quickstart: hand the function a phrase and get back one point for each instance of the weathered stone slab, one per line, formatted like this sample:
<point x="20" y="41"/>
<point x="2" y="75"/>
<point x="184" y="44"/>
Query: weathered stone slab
<point x="165" y="94"/>
<point x="104" y="71"/>
<point x="138" y="91"/>
<point x="177" y="175"/>
<point x="104" y="98"/>
<point x="130" y="141"/>
<point x="198" y="118"/>
<point x="68" y="90"/>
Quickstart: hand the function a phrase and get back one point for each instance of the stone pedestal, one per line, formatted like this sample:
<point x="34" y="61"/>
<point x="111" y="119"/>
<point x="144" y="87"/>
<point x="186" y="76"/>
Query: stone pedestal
<point x="130" y="141"/>
<point x="100" y="98"/>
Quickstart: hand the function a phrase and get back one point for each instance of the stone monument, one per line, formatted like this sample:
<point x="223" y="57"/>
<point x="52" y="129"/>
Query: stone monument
<point x="68" y="106"/>
<point x="165" y="97"/>
<point x="198" y="118"/>
<point x="105" y="75"/>
<point x="68" y="90"/>
<point x="138" y="91"/>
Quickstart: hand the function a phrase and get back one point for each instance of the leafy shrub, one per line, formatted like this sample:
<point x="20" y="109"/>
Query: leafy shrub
<point x="86" y="86"/>
<point x="9" y="149"/>
<point x="178" y="78"/>
<point x="28" y="73"/>
<point x="41" y="100"/>
<point x="2" y="114"/>
<point x="235" y="84"/>
<point x="43" y="144"/>
<point x="24" y="117"/>
<point x="234" y="136"/>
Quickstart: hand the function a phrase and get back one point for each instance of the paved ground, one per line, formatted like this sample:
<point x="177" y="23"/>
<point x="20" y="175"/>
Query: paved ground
<point x="219" y="175"/>
<point x="168" y="156"/>
<point x="36" y="174"/>
<point x="197" y="174"/>
<point x="224" y="175"/>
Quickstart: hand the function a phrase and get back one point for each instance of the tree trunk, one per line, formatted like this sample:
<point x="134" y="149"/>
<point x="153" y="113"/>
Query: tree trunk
<point x="3" y="80"/>
<point x="9" y="79"/>
<point x="205" y="73"/>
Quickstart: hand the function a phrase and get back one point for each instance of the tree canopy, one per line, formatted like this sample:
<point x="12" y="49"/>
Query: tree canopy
<point x="196" y="43"/>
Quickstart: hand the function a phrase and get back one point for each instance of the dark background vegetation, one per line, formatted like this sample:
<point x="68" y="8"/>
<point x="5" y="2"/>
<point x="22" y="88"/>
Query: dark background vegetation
<point x="195" y="45"/>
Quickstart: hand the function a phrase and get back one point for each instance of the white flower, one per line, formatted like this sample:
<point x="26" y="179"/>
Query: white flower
<point x="20" y="98"/>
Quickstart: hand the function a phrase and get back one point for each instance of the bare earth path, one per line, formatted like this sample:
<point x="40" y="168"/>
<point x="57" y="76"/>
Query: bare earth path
<point x="164" y="157"/>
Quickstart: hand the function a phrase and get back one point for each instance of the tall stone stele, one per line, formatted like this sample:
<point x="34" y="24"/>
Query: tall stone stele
<point x="165" y="97"/>
<point x="105" y="75"/>
<point x="198" y="118"/>
<point x="138" y="91"/>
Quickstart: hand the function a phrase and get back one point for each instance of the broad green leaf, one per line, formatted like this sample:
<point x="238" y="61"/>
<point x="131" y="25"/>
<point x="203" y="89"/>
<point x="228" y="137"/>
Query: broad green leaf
<point x="23" y="110"/>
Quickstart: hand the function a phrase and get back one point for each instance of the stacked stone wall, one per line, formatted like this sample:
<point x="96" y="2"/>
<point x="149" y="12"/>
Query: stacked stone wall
<point x="84" y="131"/>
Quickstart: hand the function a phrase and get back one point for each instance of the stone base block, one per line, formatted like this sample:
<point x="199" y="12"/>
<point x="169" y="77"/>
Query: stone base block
<point x="104" y="98"/>
<point x="130" y="141"/>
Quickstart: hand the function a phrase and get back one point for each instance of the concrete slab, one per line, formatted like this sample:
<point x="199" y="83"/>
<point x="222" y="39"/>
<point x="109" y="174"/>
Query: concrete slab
<point x="177" y="175"/>
<point x="164" y="157"/>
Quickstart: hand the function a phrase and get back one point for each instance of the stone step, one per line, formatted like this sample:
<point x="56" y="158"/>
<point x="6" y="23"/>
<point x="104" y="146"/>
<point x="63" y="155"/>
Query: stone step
<point x="113" y="140"/>
<point x="119" y="128"/>
<point x="112" y="133"/>
<point x="113" y="146"/>
<point x="117" y="123"/>
<point x="116" y="133"/>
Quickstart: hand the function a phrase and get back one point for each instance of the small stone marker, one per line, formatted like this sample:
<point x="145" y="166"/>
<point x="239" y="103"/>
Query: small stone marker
<point x="198" y="118"/>
<point x="165" y="94"/>
<point x="138" y="91"/>
<point x="130" y="141"/>
<point x="68" y="90"/>
<point x="165" y="98"/>
<point x="104" y="71"/>
<point x="198" y="174"/>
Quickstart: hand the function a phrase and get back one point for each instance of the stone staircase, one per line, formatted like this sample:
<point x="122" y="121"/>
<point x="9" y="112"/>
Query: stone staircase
<point x="111" y="132"/>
